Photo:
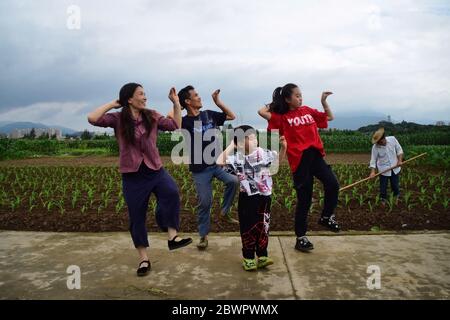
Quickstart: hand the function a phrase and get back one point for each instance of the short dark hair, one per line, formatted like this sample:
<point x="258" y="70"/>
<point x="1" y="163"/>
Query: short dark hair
<point x="248" y="130"/>
<point x="184" y="94"/>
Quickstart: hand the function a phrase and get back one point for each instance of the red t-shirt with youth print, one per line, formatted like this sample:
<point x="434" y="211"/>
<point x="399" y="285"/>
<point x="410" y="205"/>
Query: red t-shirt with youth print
<point x="300" y="128"/>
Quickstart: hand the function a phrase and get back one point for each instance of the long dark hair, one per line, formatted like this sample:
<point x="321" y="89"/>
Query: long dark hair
<point x="127" y="121"/>
<point x="279" y="96"/>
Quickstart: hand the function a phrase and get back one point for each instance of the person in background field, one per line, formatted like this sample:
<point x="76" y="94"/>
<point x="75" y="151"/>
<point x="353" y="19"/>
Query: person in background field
<point x="204" y="171"/>
<point x="136" y="129"/>
<point x="252" y="166"/>
<point x="386" y="153"/>
<point x="299" y="125"/>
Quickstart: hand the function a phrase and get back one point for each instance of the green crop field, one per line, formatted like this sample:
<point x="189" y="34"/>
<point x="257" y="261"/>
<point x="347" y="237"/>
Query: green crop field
<point x="435" y="142"/>
<point x="63" y="191"/>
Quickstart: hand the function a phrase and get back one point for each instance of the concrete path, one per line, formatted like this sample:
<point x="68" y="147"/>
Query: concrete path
<point x="34" y="265"/>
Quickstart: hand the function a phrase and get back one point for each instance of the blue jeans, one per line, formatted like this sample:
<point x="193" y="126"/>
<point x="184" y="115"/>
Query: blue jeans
<point x="203" y="186"/>
<point x="394" y="185"/>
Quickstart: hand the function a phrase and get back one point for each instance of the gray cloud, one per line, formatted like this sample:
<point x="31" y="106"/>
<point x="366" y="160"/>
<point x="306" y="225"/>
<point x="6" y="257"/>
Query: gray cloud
<point x="383" y="56"/>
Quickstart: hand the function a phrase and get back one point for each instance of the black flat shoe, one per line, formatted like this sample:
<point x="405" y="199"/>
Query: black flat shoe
<point x="178" y="244"/>
<point x="143" y="271"/>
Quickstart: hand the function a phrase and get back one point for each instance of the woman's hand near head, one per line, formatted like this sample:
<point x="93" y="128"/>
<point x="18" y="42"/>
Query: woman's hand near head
<point x="115" y="104"/>
<point x="100" y="111"/>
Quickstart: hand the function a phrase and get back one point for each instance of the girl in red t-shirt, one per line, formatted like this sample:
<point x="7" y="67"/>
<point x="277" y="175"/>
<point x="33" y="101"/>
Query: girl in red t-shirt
<point x="299" y="124"/>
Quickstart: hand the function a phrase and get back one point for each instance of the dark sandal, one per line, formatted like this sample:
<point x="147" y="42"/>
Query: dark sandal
<point x="143" y="271"/>
<point x="176" y="245"/>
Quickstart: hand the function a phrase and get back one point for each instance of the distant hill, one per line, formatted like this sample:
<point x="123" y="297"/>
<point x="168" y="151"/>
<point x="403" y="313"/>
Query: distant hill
<point x="353" y="123"/>
<point x="403" y="127"/>
<point x="10" y="126"/>
<point x="65" y="130"/>
<point x="369" y="122"/>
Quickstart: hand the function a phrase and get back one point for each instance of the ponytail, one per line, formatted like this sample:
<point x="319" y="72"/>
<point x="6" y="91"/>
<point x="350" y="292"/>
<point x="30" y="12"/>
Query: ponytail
<point x="279" y="96"/>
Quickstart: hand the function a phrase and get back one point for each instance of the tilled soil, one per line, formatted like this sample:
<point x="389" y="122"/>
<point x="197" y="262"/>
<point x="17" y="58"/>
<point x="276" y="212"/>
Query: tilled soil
<point x="281" y="220"/>
<point x="332" y="158"/>
<point x="350" y="217"/>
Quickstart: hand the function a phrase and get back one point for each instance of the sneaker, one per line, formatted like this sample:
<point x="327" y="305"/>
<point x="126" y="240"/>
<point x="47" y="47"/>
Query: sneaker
<point x="249" y="264"/>
<point x="178" y="244"/>
<point x="203" y="243"/>
<point x="264" y="262"/>
<point x="303" y="244"/>
<point x="330" y="223"/>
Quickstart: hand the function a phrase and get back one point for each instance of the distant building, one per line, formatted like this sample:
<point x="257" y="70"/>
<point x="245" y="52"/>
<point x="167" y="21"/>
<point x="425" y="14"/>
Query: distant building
<point x="20" y="133"/>
<point x="440" y="123"/>
<point x="100" y="133"/>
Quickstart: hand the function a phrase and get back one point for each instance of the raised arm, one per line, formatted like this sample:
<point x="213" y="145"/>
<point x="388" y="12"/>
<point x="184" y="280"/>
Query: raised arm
<point x="325" y="105"/>
<point x="225" y="109"/>
<point x="175" y="113"/>
<point x="222" y="159"/>
<point x="265" y="113"/>
<point x="100" y="111"/>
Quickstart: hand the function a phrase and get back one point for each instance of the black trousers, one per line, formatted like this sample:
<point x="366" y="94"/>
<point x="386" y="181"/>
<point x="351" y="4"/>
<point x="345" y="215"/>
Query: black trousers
<point x="313" y="165"/>
<point x="137" y="188"/>
<point x="254" y="219"/>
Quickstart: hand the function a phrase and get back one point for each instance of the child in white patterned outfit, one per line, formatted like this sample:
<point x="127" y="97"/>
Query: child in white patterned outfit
<point x="252" y="166"/>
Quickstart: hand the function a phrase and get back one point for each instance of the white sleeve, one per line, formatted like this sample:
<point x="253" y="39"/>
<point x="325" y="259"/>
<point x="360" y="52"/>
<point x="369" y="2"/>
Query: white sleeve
<point x="373" y="158"/>
<point x="231" y="162"/>
<point x="271" y="156"/>
<point x="398" y="147"/>
<point x="230" y="159"/>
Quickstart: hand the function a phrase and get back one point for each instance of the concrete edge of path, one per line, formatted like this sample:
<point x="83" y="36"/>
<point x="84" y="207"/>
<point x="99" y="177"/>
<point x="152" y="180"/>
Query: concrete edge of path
<point x="34" y="265"/>
<point x="275" y="233"/>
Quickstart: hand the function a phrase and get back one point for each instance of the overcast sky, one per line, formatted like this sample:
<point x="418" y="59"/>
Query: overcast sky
<point x="388" y="57"/>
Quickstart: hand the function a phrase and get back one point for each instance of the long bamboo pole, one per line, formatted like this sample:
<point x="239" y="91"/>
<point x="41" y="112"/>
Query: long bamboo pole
<point x="379" y="173"/>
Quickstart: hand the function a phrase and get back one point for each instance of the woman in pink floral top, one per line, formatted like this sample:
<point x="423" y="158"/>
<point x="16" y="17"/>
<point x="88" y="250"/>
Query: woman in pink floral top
<point x="136" y="129"/>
